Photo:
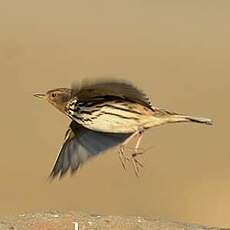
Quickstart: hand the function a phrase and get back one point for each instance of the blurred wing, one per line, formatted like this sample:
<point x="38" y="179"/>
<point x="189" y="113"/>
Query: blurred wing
<point x="122" y="89"/>
<point x="80" y="145"/>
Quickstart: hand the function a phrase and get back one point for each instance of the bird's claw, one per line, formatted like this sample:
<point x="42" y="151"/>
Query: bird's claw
<point x="133" y="159"/>
<point x="123" y="157"/>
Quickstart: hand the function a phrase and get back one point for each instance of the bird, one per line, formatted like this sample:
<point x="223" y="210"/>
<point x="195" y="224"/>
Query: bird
<point x="103" y="114"/>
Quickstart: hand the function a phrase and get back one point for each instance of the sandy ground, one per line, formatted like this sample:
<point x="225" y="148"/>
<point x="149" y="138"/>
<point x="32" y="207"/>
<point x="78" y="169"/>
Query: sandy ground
<point x="55" y="220"/>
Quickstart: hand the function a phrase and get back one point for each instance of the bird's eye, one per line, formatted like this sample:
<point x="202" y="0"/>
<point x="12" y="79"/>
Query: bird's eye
<point x="53" y="95"/>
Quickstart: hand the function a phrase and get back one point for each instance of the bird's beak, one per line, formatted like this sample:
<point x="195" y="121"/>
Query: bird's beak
<point x="41" y="95"/>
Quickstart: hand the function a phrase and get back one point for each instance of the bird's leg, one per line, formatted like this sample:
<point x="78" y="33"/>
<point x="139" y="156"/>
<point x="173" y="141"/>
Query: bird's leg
<point x="123" y="157"/>
<point x="136" y="164"/>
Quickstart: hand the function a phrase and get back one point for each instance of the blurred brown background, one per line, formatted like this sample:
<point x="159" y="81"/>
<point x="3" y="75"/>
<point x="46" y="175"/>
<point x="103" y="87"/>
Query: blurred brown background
<point x="176" y="51"/>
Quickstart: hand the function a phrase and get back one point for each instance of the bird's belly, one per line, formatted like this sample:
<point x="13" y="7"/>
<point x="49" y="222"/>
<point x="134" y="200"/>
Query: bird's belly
<point x="115" y="117"/>
<point x="113" y="124"/>
<point x="118" y="123"/>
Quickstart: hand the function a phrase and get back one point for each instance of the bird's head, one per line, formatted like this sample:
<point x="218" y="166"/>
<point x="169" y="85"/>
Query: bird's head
<point x="57" y="97"/>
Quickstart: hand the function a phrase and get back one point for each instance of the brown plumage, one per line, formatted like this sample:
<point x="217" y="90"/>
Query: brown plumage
<point x="105" y="114"/>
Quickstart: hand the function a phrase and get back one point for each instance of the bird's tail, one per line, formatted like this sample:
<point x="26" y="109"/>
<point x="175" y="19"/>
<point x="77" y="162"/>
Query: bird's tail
<point x="184" y="118"/>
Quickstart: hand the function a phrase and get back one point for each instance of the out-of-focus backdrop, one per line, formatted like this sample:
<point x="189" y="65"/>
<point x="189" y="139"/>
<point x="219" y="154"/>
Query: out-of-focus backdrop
<point x="178" y="52"/>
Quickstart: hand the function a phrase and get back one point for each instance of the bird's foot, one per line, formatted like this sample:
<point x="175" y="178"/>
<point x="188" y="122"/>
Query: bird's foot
<point x="133" y="159"/>
<point x="137" y="165"/>
<point x="123" y="157"/>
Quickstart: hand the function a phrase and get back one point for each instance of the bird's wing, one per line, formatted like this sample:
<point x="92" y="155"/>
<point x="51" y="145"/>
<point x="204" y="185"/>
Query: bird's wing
<point x="80" y="145"/>
<point x="89" y="89"/>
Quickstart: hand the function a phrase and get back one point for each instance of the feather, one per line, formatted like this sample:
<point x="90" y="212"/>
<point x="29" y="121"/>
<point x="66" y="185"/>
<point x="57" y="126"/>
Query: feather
<point x="80" y="145"/>
<point x="121" y="89"/>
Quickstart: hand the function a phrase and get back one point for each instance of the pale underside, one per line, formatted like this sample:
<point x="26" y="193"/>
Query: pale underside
<point x="114" y="117"/>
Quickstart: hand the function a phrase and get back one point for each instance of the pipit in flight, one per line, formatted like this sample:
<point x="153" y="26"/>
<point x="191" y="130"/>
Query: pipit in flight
<point x="105" y="114"/>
